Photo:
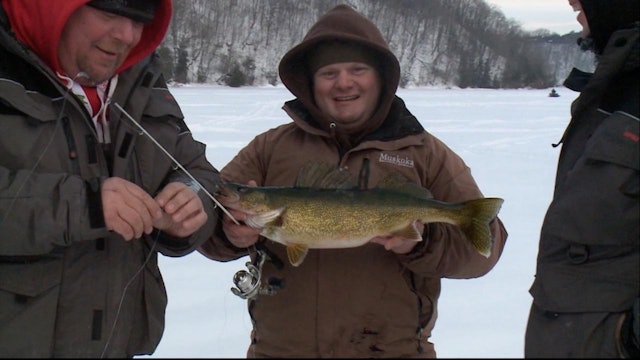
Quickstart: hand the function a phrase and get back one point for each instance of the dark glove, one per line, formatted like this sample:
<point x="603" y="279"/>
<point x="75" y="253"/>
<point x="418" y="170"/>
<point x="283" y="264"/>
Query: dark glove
<point x="630" y="333"/>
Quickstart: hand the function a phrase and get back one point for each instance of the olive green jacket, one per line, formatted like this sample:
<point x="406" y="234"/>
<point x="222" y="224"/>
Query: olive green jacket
<point x="69" y="287"/>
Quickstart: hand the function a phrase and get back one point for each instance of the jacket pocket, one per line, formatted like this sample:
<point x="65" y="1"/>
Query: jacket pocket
<point x="28" y="300"/>
<point x="35" y="105"/>
<point x="29" y="115"/>
<point x="150" y="313"/>
<point x="597" y="204"/>
<point x="616" y="142"/>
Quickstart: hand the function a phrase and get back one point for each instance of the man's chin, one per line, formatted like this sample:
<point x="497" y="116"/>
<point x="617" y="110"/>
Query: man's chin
<point x="93" y="78"/>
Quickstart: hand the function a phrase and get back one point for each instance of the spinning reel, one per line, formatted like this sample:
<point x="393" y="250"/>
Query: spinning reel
<point x="249" y="282"/>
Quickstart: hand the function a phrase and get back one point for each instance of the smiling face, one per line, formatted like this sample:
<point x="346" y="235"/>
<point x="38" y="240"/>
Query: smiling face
<point x="348" y="92"/>
<point x="97" y="43"/>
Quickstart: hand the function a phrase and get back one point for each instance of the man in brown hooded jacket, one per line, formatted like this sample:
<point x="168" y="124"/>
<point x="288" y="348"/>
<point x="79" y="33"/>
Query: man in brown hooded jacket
<point x="373" y="300"/>
<point x="86" y="201"/>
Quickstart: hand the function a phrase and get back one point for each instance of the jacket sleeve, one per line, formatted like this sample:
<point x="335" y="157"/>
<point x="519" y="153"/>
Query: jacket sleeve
<point x="446" y="251"/>
<point x="206" y="182"/>
<point x="245" y="166"/>
<point x="202" y="175"/>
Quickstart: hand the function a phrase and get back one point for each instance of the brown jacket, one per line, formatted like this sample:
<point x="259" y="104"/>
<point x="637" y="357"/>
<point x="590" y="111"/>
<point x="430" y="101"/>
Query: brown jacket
<point x="365" y="301"/>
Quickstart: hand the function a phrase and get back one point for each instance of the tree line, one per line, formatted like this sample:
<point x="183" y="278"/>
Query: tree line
<point x="463" y="43"/>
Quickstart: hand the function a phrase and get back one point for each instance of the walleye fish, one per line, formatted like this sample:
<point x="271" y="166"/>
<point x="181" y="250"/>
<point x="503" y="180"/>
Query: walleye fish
<point x="327" y="210"/>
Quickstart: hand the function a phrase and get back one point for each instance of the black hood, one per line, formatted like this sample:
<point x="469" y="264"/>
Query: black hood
<point x="607" y="16"/>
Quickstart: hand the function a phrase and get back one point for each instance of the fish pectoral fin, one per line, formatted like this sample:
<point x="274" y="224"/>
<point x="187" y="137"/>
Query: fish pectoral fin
<point x="296" y="253"/>
<point x="410" y="232"/>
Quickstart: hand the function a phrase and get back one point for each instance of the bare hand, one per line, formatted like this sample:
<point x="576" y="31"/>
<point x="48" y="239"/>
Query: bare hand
<point x="397" y="244"/>
<point x="183" y="211"/>
<point x="240" y="235"/>
<point x="128" y="210"/>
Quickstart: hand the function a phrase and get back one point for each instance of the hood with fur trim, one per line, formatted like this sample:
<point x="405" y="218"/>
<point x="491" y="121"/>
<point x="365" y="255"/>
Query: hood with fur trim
<point x="39" y="23"/>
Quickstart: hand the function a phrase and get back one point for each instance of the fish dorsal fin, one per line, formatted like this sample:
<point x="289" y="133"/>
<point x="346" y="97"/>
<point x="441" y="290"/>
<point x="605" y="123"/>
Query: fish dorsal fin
<point x="399" y="183"/>
<point x="296" y="253"/>
<point x="324" y="176"/>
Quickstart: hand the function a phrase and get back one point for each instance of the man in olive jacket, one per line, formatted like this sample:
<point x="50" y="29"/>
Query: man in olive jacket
<point x="587" y="286"/>
<point x="372" y="300"/>
<point x="87" y="200"/>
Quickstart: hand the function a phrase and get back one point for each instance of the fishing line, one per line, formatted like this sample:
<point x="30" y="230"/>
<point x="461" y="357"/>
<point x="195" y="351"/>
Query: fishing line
<point x="151" y="250"/>
<point x="123" y="111"/>
<point x="124" y="293"/>
<point x="65" y="97"/>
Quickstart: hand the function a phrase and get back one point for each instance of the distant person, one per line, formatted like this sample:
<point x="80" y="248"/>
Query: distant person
<point x="379" y="299"/>
<point x="587" y="284"/>
<point x="86" y="200"/>
<point x="554" y="93"/>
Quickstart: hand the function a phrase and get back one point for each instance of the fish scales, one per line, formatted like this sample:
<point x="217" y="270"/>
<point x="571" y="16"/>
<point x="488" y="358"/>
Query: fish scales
<point x="341" y="219"/>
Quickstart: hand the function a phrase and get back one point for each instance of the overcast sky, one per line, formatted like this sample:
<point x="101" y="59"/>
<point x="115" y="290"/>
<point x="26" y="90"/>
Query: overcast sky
<point x="555" y="15"/>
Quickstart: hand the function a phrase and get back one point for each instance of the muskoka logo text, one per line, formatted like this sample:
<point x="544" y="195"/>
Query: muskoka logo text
<point x="396" y="160"/>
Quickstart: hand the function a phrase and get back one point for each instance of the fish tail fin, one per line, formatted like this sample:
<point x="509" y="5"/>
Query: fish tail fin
<point x="480" y="213"/>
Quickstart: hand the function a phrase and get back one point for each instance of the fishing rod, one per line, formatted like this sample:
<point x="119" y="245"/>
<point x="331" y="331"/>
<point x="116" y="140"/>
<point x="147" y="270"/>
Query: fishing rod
<point x="145" y="132"/>
<point x="248" y="282"/>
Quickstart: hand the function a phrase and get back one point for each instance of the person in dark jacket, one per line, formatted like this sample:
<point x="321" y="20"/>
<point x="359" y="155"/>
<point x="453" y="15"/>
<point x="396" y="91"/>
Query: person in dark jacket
<point x="587" y="283"/>
<point x="379" y="299"/>
<point x="87" y="199"/>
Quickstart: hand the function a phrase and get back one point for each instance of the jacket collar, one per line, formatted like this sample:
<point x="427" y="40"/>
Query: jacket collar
<point x="400" y="122"/>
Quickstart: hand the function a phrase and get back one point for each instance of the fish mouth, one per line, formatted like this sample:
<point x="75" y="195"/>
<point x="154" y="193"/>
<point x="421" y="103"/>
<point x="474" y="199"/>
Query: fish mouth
<point x="228" y="195"/>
